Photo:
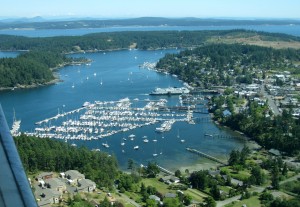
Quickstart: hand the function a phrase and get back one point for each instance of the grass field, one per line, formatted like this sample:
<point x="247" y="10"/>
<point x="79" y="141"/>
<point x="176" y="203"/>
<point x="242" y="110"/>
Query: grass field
<point x="256" y="40"/>
<point x="164" y="188"/>
<point x="251" y="202"/>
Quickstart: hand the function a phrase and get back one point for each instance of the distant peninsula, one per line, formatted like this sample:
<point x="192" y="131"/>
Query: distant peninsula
<point x="35" y="67"/>
<point x="40" y="23"/>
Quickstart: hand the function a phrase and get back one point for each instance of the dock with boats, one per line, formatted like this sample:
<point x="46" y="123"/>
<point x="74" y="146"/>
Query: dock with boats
<point x="105" y="118"/>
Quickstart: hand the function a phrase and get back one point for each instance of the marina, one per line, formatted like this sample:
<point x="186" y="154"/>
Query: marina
<point x="101" y="118"/>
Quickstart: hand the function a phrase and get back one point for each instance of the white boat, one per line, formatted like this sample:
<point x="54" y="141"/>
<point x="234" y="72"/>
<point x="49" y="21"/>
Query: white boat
<point x="122" y="143"/>
<point x="105" y="145"/>
<point x="85" y="104"/>
<point x="154" y="155"/>
<point x="136" y="147"/>
<point x="208" y="135"/>
<point x="74" y="145"/>
<point x="146" y="140"/>
<point x="182" y="140"/>
<point x="154" y="140"/>
<point x="132" y="136"/>
<point x="16" y="126"/>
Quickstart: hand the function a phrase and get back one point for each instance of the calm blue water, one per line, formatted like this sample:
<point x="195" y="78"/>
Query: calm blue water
<point x="114" y="69"/>
<point x="287" y="29"/>
<point x="9" y="54"/>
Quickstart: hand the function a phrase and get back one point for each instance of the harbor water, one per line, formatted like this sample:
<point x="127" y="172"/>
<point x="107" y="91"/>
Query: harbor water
<point x="112" y="76"/>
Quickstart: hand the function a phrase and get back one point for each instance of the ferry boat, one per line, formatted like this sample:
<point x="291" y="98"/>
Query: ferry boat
<point x="170" y="91"/>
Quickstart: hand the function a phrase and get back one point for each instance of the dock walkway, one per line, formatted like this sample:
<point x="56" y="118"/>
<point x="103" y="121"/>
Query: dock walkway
<point x="165" y="170"/>
<point x="205" y="155"/>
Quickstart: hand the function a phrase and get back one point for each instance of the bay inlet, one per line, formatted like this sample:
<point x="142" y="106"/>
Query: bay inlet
<point x="110" y="77"/>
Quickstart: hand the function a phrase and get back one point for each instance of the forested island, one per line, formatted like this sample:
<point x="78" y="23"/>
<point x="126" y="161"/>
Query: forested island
<point x="40" y="23"/>
<point x="44" y="54"/>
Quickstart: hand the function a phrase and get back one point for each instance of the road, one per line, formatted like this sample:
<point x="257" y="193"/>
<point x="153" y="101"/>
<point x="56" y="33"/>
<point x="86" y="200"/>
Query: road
<point x="290" y="179"/>
<point x="271" y="102"/>
<point x="235" y="198"/>
<point x="256" y="189"/>
<point x="128" y="200"/>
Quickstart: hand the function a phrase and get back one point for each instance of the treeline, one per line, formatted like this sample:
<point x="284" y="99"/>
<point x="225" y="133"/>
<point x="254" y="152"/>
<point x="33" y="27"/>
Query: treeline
<point x="225" y="64"/>
<point x="47" y="52"/>
<point x="122" y="40"/>
<point x="51" y="155"/>
<point x="31" y="68"/>
<point x="109" y="41"/>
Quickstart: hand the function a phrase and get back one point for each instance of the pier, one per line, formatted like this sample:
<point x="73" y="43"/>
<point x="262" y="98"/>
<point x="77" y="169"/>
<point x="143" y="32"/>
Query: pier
<point x="165" y="170"/>
<point x="203" y="91"/>
<point x="205" y="155"/>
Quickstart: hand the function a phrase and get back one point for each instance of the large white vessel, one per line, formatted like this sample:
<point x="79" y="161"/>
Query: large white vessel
<point x="170" y="91"/>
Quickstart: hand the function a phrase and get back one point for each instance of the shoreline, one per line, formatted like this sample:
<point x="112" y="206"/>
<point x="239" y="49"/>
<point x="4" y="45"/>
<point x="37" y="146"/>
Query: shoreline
<point x="51" y="82"/>
<point x="19" y="87"/>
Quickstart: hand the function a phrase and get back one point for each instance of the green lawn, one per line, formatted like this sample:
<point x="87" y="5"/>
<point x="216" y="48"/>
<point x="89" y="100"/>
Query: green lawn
<point x="241" y="175"/>
<point x="160" y="186"/>
<point x="251" y="202"/>
<point x="164" y="188"/>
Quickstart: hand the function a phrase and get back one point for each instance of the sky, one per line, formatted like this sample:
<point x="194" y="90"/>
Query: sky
<point x="153" y="8"/>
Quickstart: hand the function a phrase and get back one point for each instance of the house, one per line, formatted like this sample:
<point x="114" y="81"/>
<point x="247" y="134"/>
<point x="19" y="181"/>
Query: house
<point x="274" y="152"/>
<point x="214" y="173"/>
<point x="226" y="113"/>
<point x="170" y="195"/>
<point x="74" y="175"/>
<point x="45" y="176"/>
<point x="154" y="197"/>
<point x="56" y="184"/>
<point x="237" y="182"/>
<point x="46" y="196"/>
<point x="62" y="175"/>
<point x="170" y="179"/>
<point x="86" y="185"/>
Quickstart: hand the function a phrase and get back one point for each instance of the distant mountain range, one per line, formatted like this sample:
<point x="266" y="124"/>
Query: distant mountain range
<point x="41" y="23"/>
